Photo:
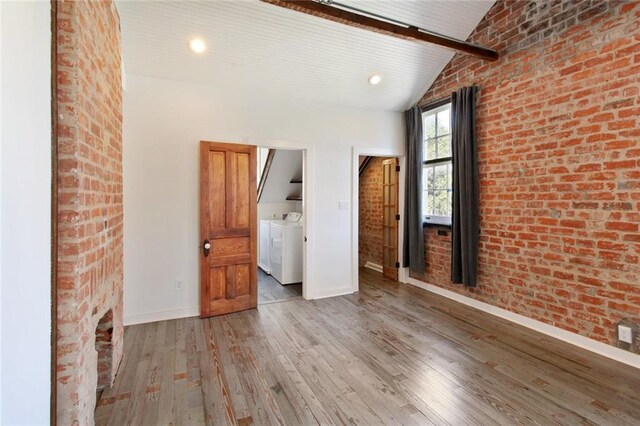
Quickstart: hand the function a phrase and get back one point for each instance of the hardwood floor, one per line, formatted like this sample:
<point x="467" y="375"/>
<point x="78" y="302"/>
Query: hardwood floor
<point x="391" y="354"/>
<point x="270" y="290"/>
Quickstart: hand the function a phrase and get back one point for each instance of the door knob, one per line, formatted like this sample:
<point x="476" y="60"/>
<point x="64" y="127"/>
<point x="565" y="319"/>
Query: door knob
<point x="206" y="246"/>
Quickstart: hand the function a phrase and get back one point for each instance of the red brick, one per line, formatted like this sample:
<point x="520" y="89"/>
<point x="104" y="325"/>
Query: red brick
<point x="573" y="223"/>
<point x="89" y="141"/>
<point x="624" y="307"/>
<point x="557" y="161"/>
<point x="622" y="124"/>
<point x="622" y="226"/>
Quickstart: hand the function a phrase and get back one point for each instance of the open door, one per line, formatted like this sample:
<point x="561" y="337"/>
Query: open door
<point x="390" y="218"/>
<point x="228" y="234"/>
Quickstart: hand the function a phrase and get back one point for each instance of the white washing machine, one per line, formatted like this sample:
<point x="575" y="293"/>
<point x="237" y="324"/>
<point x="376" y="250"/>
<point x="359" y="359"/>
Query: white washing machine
<point x="264" y="257"/>
<point x="264" y="242"/>
<point x="285" y="249"/>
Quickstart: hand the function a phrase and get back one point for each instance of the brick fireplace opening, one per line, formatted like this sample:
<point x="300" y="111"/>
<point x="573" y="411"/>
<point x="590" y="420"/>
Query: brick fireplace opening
<point x="89" y="234"/>
<point x="104" y="348"/>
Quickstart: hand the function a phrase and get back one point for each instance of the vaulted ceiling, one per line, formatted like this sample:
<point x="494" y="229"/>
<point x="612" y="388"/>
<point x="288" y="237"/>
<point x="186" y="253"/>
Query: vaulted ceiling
<point x="268" y="54"/>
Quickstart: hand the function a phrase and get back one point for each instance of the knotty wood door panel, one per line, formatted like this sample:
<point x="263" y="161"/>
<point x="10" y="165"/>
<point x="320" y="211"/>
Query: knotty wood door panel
<point x="389" y="221"/>
<point x="228" y="222"/>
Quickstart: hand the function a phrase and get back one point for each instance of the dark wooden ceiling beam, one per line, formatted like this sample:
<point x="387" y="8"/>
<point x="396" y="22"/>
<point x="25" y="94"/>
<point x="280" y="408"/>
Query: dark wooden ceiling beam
<point x="383" y="27"/>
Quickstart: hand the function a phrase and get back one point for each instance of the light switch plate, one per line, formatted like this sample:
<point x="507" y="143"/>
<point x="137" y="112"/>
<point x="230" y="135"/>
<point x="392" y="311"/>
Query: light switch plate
<point x="179" y="284"/>
<point x="625" y="334"/>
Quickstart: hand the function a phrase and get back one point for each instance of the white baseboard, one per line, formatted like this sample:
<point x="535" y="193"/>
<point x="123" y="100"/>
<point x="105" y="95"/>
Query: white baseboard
<point x="161" y="315"/>
<point x="373" y="266"/>
<point x="265" y="269"/>
<point x="333" y="293"/>
<point x="550" y="330"/>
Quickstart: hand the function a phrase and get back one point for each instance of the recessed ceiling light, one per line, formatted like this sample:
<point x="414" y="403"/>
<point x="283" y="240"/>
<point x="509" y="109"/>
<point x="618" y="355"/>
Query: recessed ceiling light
<point x="375" y="79"/>
<point x="197" y="45"/>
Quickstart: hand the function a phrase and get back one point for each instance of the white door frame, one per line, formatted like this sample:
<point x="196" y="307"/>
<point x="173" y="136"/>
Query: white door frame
<point x="355" y="206"/>
<point x="308" y="285"/>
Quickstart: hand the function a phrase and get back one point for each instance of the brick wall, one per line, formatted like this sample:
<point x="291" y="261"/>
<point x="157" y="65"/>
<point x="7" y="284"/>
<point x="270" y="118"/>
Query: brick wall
<point x="559" y="157"/>
<point x="370" y="214"/>
<point x="89" y="98"/>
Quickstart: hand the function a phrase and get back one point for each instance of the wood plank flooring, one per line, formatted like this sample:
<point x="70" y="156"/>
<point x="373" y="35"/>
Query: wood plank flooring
<point x="390" y="354"/>
<point x="270" y="290"/>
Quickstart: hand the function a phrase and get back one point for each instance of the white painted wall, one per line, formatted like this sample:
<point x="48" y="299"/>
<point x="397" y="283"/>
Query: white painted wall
<point x="1" y="139"/>
<point x="163" y="123"/>
<point x="263" y="154"/>
<point x="25" y="213"/>
<point x="276" y="210"/>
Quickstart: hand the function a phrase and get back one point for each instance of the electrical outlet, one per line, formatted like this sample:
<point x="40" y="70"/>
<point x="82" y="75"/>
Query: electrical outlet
<point x="179" y="284"/>
<point x="625" y="334"/>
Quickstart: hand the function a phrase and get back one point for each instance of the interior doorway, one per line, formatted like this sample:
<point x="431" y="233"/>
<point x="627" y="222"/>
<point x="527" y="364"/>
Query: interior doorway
<point x="281" y="219"/>
<point x="396" y="155"/>
<point x="378" y="201"/>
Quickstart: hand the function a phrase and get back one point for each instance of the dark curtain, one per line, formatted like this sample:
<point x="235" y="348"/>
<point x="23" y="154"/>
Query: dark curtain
<point x="413" y="233"/>
<point x="465" y="220"/>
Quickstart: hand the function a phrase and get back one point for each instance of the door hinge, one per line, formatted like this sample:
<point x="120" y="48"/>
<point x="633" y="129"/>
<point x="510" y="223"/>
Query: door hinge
<point x="397" y="264"/>
<point x="397" y="217"/>
<point x="397" y="168"/>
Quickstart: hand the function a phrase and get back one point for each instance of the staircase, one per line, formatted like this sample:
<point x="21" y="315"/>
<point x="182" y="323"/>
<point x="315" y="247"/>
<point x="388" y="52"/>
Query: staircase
<point x="280" y="179"/>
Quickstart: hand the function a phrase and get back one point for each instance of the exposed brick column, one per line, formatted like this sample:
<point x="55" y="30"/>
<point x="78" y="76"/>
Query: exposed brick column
<point x="90" y="220"/>
<point x="559" y="156"/>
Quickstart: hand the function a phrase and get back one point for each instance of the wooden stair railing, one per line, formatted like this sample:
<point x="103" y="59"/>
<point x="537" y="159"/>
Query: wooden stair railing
<point x="265" y="172"/>
<point x="364" y="164"/>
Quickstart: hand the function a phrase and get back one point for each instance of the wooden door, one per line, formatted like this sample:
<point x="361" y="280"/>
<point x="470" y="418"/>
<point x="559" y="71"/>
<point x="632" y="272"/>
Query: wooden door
<point x="390" y="218"/>
<point x="228" y="234"/>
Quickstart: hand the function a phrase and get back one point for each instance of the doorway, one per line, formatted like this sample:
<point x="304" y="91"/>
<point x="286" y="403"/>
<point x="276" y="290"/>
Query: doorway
<point x="378" y="215"/>
<point x="374" y="232"/>
<point x="240" y="192"/>
<point x="281" y="213"/>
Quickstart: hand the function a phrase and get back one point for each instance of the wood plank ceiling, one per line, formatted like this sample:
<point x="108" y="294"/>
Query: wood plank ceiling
<point x="269" y="55"/>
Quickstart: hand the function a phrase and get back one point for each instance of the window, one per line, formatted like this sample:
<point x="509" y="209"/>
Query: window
<point x="437" y="165"/>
